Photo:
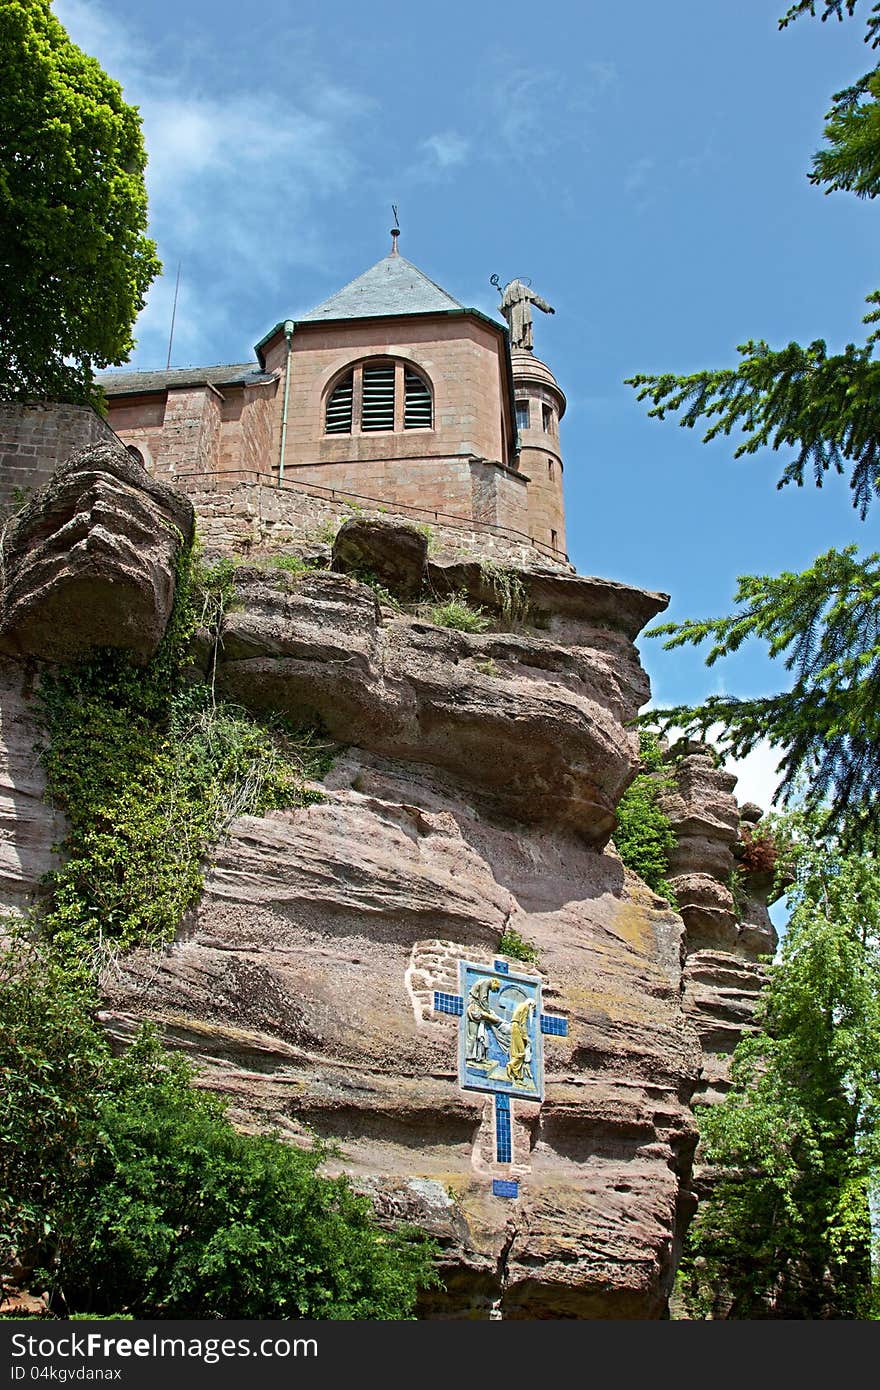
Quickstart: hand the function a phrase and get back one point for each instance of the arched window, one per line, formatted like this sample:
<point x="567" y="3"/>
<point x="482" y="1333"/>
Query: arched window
<point x="382" y="394"/>
<point x="339" y="402"/>
<point x="135" y="453"/>
<point x="377" y="406"/>
<point x="418" y="405"/>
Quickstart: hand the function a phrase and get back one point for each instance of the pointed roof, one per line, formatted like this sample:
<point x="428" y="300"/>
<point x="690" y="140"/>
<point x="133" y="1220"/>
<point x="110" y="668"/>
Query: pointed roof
<point x="392" y="286"/>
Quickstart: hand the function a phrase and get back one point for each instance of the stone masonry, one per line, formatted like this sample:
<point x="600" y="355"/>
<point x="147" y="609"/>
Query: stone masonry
<point x="35" y="438"/>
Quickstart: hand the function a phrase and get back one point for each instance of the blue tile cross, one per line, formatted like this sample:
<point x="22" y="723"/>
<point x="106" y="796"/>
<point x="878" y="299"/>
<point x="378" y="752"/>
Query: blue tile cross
<point x="502" y="1023"/>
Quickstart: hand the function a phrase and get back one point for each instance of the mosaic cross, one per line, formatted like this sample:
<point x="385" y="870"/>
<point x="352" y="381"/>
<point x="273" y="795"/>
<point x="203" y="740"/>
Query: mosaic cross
<point x="500" y="1043"/>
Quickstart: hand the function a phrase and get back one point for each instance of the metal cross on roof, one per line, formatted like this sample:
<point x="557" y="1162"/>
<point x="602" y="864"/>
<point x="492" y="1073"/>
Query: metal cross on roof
<point x="500" y="1043"/>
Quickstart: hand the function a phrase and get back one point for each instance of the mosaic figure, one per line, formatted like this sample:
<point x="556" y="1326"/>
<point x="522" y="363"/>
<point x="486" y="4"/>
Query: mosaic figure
<point x="519" y="1067"/>
<point x="478" y="1017"/>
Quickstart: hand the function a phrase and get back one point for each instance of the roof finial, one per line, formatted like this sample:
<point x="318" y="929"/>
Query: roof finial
<point x="395" y="230"/>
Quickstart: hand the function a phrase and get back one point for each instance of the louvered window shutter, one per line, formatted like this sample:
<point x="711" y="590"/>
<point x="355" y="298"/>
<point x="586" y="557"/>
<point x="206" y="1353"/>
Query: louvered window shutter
<point x="339" y="407"/>
<point x="377" y="411"/>
<point x="417" y="413"/>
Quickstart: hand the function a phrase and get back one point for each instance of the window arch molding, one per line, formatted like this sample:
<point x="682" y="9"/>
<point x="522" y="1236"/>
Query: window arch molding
<point x="140" y="453"/>
<point x="377" y="394"/>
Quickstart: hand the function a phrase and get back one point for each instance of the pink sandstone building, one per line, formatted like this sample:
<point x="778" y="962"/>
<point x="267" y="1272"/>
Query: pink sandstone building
<point x="389" y="393"/>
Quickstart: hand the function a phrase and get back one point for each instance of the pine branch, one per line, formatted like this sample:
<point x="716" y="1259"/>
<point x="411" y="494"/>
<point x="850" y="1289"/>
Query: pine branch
<point x="835" y="9"/>
<point x="825" y="407"/>
<point x="825" y="625"/>
<point x="852" y="162"/>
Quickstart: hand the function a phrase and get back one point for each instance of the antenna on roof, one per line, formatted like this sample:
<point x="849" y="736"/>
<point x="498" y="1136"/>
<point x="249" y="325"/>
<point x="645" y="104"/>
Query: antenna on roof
<point x="173" y="317"/>
<point x="395" y="230"/>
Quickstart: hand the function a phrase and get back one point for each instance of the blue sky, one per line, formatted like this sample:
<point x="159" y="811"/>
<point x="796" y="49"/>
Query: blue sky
<point x="645" y="164"/>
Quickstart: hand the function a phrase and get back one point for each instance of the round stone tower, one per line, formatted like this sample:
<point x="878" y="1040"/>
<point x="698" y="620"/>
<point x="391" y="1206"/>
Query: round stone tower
<point x="540" y="405"/>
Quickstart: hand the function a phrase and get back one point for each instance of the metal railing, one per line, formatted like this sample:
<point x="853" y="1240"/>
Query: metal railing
<point x="331" y="494"/>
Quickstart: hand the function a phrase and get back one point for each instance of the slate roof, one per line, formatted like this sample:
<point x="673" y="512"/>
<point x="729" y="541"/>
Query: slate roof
<point x="392" y="286"/>
<point x="133" y="383"/>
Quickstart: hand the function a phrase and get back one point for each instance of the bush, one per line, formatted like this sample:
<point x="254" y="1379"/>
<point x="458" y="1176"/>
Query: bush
<point x="458" y="613"/>
<point x="292" y="563"/>
<point x="516" y="946"/>
<point x="124" y="1190"/>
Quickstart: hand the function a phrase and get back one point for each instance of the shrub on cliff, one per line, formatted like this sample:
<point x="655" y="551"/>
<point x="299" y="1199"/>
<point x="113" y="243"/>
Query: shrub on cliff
<point x="149" y="770"/>
<point x="785" y="1230"/>
<point x="76" y="262"/>
<point x="644" y="838"/>
<point x="125" y="1190"/>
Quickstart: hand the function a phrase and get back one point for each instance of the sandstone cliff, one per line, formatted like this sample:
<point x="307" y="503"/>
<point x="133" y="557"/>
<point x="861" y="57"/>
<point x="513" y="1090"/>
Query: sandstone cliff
<point x="475" y="796"/>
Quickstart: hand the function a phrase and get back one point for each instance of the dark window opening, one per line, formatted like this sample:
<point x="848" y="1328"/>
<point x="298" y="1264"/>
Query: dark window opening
<point x="547" y="414"/>
<point x="551" y="469"/>
<point x="338" y="419"/>
<point x="136" y="454"/>
<point x="417" y="405"/>
<point x="367" y="399"/>
<point x="554" y="540"/>
<point x="377" y="409"/>
<point x="522" y="415"/>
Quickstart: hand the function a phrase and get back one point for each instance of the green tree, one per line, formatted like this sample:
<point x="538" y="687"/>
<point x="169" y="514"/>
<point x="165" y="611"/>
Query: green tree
<point x="824" y="409"/>
<point x="75" y="263"/>
<point x="785" y="1230"/>
<point x="125" y="1190"/>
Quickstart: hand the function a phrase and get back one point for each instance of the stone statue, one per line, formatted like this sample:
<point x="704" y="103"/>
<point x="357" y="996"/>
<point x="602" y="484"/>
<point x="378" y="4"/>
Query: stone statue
<point x="517" y="299"/>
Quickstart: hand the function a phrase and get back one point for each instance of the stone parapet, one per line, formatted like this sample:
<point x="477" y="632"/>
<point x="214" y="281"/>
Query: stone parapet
<point x="241" y="513"/>
<point x="36" y="437"/>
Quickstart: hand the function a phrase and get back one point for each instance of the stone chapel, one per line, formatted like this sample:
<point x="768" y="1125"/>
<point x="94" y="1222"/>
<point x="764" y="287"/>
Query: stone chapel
<point x="389" y="393"/>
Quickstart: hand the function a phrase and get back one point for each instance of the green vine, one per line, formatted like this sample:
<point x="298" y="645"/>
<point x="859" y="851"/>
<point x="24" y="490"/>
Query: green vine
<point x="149" y="771"/>
<point x="644" y="836"/>
<point x="508" y="591"/>
<point x="736" y="882"/>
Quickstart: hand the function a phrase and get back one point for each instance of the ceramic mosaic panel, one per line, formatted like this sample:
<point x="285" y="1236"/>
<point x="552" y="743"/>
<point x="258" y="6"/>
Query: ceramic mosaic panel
<point x="500" y="1042"/>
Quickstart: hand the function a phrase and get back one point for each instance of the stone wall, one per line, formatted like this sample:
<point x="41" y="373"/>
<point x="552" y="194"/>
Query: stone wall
<point x="35" y="438"/>
<point x="190" y="434"/>
<point x="240" y="514"/>
<point x="461" y="356"/>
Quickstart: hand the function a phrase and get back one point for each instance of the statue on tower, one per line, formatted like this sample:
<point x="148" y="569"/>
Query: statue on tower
<point x="517" y="299"/>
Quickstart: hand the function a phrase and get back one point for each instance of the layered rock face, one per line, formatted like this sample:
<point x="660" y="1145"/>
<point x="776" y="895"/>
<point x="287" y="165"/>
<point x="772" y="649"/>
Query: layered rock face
<point x="534" y="727"/>
<point x="481" y="775"/>
<point x="90" y="561"/>
<point x="473" y="798"/>
<point x="303" y="986"/>
<point x="724" y="935"/>
<point x="29" y="828"/>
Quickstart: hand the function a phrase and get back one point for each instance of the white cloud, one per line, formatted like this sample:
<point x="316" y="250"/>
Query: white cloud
<point x="447" y="148"/>
<point x="233" y="180"/>
<point x="98" y="32"/>
<point x="757" y="778"/>
<point x="537" y="109"/>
